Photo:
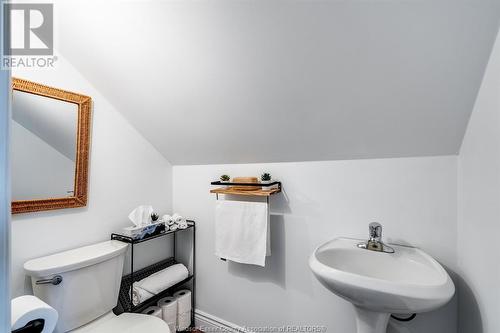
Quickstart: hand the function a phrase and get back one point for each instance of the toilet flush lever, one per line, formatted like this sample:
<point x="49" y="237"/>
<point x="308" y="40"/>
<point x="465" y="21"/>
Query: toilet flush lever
<point x="55" y="280"/>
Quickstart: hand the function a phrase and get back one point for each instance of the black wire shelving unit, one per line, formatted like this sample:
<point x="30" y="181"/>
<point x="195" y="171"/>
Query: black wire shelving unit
<point x="125" y="303"/>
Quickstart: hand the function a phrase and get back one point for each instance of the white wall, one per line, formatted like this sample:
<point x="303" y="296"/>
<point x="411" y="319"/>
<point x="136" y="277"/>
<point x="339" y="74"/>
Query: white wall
<point x="414" y="199"/>
<point x="125" y="171"/>
<point x="479" y="203"/>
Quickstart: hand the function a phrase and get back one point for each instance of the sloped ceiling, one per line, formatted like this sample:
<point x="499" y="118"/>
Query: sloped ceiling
<point x="234" y="81"/>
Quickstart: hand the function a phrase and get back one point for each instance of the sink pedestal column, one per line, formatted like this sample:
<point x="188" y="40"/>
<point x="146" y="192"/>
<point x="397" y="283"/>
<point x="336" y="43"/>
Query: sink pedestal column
<point x="370" y="321"/>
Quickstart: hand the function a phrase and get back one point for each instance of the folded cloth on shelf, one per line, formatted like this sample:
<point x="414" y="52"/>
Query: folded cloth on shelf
<point x="166" y="278"/>
<point x="174" y="227"/>
<point x="242" y="231"/>
<point x="182" y="225"/>
<point x="139" y="295"/>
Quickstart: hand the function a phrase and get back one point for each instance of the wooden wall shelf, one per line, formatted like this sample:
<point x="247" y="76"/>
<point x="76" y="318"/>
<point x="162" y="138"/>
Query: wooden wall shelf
<point x="259" y="193"/>
<point x="264" y="192"/>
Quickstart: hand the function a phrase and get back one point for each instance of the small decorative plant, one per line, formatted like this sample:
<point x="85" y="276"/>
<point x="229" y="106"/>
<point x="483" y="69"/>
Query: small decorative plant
<point x="225" y="178"/>
<point x="154" y="217"/>
<point x="265" y="177"/>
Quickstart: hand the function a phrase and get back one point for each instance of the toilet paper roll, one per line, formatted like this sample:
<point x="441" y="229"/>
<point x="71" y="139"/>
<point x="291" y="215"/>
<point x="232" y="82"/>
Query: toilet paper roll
<point x="168" y="307"/>
<point x="27" y="308"/>
<point x="184" y="320"/>
<point x="183" y="298"/>
<point x="153" y="311"/>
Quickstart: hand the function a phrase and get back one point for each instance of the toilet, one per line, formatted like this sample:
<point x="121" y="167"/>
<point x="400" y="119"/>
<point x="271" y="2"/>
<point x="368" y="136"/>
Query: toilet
<point x="88" y="291"/>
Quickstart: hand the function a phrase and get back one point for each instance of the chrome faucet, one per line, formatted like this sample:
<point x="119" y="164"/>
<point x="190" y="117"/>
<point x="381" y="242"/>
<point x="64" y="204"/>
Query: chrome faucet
<point x="374" y="242"/>
<point x="375" y="230"/>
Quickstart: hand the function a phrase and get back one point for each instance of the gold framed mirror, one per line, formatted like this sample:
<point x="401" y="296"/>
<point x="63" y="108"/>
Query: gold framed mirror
<point x="50" y="147"/>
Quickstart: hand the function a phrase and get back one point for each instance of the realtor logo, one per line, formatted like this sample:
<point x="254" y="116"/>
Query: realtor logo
<point x="32" y="29"/>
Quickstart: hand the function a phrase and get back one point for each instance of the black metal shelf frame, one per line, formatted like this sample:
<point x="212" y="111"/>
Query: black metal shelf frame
<point x="220" y="183"/>
<point x="134" y="276"/>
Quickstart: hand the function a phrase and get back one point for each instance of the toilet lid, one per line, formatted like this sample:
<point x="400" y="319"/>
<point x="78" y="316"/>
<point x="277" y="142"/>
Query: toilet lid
<point x="126" y="323"/>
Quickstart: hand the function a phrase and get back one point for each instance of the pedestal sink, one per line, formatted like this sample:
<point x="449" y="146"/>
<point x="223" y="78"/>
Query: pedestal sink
<point x="379" y="284"/>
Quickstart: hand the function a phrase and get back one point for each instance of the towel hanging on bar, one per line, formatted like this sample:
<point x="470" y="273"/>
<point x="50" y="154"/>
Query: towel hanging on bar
<point x="242" y="231"/>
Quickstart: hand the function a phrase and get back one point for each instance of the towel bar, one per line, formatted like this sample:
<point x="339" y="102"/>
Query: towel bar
<point x="217" y="197"/>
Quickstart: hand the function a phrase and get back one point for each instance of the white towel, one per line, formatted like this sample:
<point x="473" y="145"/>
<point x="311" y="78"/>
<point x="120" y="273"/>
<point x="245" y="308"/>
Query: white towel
<point x="139" y="295"/>
<point x="167" y="219"/>
<point x="182" y="225"/>
<point x="242" y="231"/>
<point x="178" y="218"/>
<point x="159" y="281"/>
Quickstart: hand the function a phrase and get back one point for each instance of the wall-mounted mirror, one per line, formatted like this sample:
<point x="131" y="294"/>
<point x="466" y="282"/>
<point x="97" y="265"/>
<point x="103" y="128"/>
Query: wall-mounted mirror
<point x="50" y="147"/>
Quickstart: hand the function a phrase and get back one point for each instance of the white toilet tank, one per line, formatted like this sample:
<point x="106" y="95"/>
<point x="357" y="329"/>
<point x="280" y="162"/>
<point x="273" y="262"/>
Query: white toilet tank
<point x="91" y="277"/>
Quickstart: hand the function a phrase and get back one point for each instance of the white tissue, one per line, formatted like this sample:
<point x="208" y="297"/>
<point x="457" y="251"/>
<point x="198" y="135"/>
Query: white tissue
<point x="168" y="307"/>
<point x="27" y="308"/>
<point x="141" y="216"/>
<point x="183" y="298"/>
<point x="153" y="311"/>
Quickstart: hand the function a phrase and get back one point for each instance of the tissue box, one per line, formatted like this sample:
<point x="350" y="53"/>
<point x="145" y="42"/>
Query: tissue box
<point x="144" y="231"/>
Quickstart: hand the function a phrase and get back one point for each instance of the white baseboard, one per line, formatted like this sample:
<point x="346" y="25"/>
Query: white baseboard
<point x="211" y="324"/>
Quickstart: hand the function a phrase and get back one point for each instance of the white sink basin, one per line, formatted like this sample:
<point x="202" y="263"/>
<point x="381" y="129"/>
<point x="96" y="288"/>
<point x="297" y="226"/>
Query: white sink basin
<point x="378" y="283"/>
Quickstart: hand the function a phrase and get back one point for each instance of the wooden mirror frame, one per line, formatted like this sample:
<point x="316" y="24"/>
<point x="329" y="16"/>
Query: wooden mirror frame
<point x="79" y="198"/>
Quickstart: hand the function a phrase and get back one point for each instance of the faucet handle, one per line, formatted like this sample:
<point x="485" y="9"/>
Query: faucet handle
<point x="375" y="230"/>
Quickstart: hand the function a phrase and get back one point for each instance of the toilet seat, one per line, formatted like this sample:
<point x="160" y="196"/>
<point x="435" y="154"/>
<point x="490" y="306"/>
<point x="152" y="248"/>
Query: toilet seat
<point x="125" y="323"/>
